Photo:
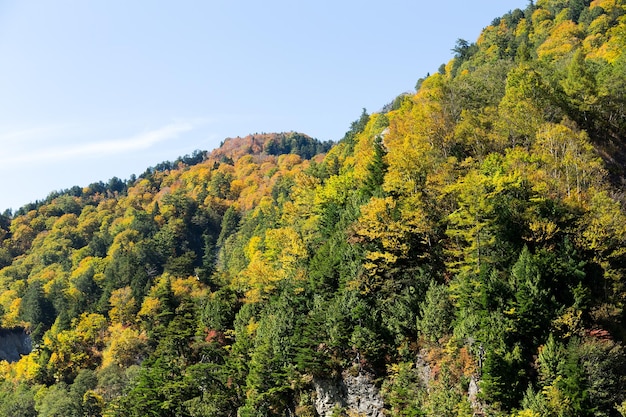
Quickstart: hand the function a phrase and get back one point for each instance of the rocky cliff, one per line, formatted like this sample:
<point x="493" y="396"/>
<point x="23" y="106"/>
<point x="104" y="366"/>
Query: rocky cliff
<point x="354" y="393"/>
<point x="13" y="344"/>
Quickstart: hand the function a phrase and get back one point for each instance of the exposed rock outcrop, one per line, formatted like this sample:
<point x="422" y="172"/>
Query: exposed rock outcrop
<point x="13" y="344"/>
<point x="355" y="393"/>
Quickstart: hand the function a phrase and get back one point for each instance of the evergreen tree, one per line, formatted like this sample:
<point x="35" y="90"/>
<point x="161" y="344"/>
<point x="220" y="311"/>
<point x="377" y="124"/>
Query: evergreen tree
<point x="37" y="310"/>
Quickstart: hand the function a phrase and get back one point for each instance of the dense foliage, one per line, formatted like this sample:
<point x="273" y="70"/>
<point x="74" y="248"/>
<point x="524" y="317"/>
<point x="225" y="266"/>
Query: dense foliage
<point x="471" y="235"/>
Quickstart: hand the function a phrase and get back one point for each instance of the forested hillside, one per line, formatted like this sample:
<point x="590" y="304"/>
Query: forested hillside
<point x="460" y="253"/>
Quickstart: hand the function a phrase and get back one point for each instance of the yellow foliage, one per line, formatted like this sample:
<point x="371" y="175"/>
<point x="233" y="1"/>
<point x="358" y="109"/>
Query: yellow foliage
<point x="523" y="28"/>
<point x="379" y="221"/>
<point x="475" y="131"/>
<point x="91" y="327"/>
<point x="527" y="413"/>
<point x="126" y="347"/>
<point x="86" y="266"/>
<point x="364" y="149"/>
<point x="600" y="25"/>
<point x="336" y="189"/>
<point x="288" y="161"/>
<point x="491" y="47"/>
<point x="124" y="241"/>
<point x="562" y="40"/>
<point x="558" y="402"/>
<point x="569" y="161"/>
<point x="284" y="247"/>
<point x="594" y="46"/>
<point x="271" y="259"/>
<point x="469" y="225"/>
<point x="420" y="137"/>
<point x="22" y="235"/>
<point x="258" y="279"/>
<point x="123" y="306"/>
<point x="78" y="347"/>
<point x="540" y="15"/>
<point x="10" y="303"/>
<point x="253" y="248"/>
<point x="48" y="276"/>
<point x="569" y="323"/>
<point x="604" y="227"/>
<point x="139" y="196"/>
<point x="89" y="221"/>
<point x="236" y="188"/>
<point x="188" y="287"/>
<point x="389" y="225"/>
<point x="196" y="175"/>
<point x="5" y="370"/>
<point x="299" y="211"/>
<point x="27" y="368"/>
<point x="121" y="223"/>
<point x="542" y="230"/>
<point x="252" y="326"/>
<point x="72" y="293"/>
<point x="150" y="307"/>
<point x="609" y="6"/>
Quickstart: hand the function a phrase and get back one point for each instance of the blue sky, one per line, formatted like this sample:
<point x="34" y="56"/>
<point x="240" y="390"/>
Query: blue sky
<point x="95" y="89"/>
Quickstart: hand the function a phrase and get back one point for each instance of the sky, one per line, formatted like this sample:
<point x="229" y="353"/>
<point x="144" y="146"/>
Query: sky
<point x="94" y="89"/>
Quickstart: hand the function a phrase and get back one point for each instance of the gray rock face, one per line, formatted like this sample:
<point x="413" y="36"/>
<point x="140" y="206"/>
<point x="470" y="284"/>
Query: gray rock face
<point x="423" y="368"/>
<point x="13" y="344"/>
<point x="330" y="394"/>
<point x="355" y="393"/>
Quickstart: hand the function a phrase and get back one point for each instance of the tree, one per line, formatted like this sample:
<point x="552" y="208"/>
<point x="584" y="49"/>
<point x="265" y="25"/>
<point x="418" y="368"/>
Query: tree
<point x="471" y="224"/>
<point x="230" y="221"/>
<point x="376" y="170"/>
<point x="532" y="300"/>
<point x="402" y="390"/>
<point x="37" y="310"/>
<point x="17" y="400"/>
<point x="356" y="127"/>
<point x="55" y="401"/>
<point x="208" y="266"/>
<point x="436" y="313"/>
<point x="123" y="306"/>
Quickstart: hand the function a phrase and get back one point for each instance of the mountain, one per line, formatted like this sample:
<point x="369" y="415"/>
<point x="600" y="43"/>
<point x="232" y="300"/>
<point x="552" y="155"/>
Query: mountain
<point x="459" y="253"/>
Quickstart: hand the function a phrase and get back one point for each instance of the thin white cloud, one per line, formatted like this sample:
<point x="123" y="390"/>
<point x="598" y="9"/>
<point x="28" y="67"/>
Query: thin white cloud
<point x="49" y="152"/>
<point x="21" y="137"/>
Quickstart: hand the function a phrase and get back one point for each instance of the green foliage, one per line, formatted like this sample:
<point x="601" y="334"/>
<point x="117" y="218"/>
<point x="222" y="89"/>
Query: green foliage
<point x="465" y="248"/>
<point x="503" y="379"/>
<point x="296" y="143"/>
<point x="376" y="170"/>
<point x="37" y="310"/>
<point x="436" y="313"/>
<point x="17" y="401"/>
<point x="402" y="390"/>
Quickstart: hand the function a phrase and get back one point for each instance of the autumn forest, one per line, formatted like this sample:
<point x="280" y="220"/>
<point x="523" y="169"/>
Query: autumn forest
<point x="461" y="252"/>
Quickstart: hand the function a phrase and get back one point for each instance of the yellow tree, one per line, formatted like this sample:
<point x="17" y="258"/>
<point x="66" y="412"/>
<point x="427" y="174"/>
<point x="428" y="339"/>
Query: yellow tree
<point x="127" y="346"/>
<point x="563" y="39"/>
<point x="603" y="232"/>
<point x="469" y="226"/>
<point x="123" y="306"/>
<point x="410" y="152"/>
<point x="259" y="278"/>
<point x="76" y="348"/>
<point x="391" y="230"/>
<point x="522" y="108"/>
<point x="569" y="161"/>
<point x="299" y="210"/>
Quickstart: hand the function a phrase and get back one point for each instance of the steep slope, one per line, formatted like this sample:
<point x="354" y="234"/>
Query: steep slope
<point x="461" y="253"/>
